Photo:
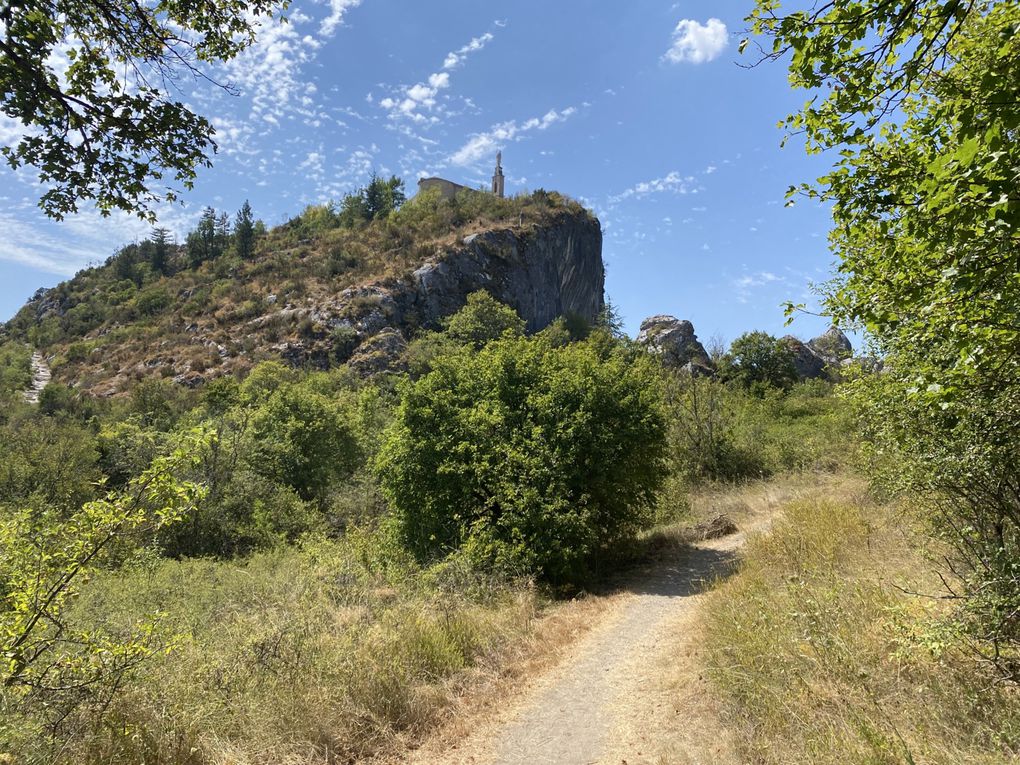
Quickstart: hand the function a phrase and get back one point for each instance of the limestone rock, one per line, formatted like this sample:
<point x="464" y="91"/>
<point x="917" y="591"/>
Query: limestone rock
<point x="832" y="346"/>
<point x="381" y="353"/>
<point x="674" y="341"/>
<point x="822" y="356"/>
<point x="542" y="273"/>
<point x="806" y="363"/>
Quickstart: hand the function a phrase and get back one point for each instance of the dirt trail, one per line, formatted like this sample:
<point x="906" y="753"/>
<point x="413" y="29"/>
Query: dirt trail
<point x="40" y="377"/>
<point x="629" y="691"/>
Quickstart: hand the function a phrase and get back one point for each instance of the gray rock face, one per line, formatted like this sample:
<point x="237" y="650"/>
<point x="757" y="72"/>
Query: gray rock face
<point x="545" y="273"/>
<point x="674" y="341"/>
<point x="807" y="364"/>
<point x="821" y="356"/>
<point x="833" y="346"/>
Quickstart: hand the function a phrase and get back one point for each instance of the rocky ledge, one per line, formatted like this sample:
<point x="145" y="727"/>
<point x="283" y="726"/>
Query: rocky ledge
<point x="543" y="272"/>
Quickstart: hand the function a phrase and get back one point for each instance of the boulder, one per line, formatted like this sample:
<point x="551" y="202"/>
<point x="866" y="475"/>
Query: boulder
<point x="822" y="356"/>
<point x="806" y="363"/>
<point x="674" y="341"/>
<point x="381" y="353"/>
<point x="832" y="346"/>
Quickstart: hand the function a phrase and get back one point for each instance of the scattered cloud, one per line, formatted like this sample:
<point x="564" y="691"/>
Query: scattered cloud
<point x="483" y="144"/>
<point x="748" y="283"/>
<point x="672" y="183"/>
<point x="696" y="43"/>
<point x="418" y="102"/>
<point x="336" y="15"/>
<point x="455" y="58"/>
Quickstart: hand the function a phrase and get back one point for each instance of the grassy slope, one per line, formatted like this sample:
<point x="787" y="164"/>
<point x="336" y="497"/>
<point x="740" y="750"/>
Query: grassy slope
<point x="118" y="323"/>
<point x="823" y="657"/>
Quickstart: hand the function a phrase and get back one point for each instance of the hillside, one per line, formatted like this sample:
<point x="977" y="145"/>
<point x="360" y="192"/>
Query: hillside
<point x="318" y="291"/>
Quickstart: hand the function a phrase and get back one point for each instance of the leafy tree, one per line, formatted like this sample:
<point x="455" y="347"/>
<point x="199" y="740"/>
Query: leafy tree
<point x="758" y="359"/>
<point x="922" y="102"/>
<point x="377" y="200"/>
<point x="301" y="438"/>
<point x="107" y="128"/>
<point x="45" y="555"/>
<point x="244" y="231"/>
<point x="483" y="319"/>
<point x="533" y="458"/>
<point x="383" y="197"/>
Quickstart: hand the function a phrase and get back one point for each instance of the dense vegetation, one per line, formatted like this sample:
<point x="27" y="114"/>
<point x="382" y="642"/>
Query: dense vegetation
<point x="316" y="541"/>
<point x="921" y="101"/>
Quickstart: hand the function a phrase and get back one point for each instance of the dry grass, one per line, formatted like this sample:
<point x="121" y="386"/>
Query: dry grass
<point x="337" y="652"/>
<point x="821" y="656"/>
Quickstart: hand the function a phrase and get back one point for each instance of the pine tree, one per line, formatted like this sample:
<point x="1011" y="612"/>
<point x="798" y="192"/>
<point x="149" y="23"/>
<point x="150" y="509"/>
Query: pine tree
<point x="160" y="254"/>
<point x="202" y="241"/>
<point x="244" y="231"/>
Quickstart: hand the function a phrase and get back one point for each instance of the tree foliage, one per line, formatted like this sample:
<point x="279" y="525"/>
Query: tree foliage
<point x="534" y="458"/>
<point x="922" y="101"/>
<point x="757" y="360"/>
<point x="483" y="319"/>
<point x="95" y="84"/>
<point x="45" y="555"/>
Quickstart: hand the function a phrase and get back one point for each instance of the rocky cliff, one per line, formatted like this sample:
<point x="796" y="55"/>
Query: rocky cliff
<point x="542" y="272"/>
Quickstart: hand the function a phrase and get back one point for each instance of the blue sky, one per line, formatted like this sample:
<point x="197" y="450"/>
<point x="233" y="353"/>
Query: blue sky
<point x="640" y="110"/>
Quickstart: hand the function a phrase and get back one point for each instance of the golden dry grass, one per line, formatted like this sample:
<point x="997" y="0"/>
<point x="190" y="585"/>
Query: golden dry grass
<point x="821" y="656"/>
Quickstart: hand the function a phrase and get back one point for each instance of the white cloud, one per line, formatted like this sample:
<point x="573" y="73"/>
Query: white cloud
<point x="454" y="58"/>
<point x="672" y="183"/>
<point x="337" y="10"/>
<point x="695" y="43"/>
<point x="483" y="144"/>
<point x="414" y="102"/>
<point x="747" y="283"/>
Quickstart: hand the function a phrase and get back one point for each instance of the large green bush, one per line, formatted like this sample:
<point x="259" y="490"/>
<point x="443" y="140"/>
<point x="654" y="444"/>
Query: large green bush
<point x="534" y="458"/>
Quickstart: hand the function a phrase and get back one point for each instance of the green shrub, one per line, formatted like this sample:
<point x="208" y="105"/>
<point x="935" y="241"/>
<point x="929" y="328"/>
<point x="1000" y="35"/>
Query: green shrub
<point x="483" y="319"/>
<point x="533" y="458"/>
<point x="152" y="300"/>
<point x="757" y="360"/>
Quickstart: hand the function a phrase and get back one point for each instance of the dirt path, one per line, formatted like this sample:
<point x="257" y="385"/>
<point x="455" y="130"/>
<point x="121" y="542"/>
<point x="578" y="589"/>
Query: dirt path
<point x="40" y="377"/>
<point x="629" y="691"/>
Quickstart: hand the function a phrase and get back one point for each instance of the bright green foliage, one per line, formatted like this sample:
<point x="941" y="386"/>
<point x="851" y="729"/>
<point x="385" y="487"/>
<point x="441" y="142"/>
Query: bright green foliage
<point x="922" y="100"/>
<point x="15" y="369"/>
<point x="45" y="555"/>
<point x="300" y="438"/>
<point x="109" y="128"/>
<point x="482" y="320"/>
<point x="759" y="360"/>
<point x="48" y="459"/>
<point x="534" y="458"/>
<point x="377" y="200"/>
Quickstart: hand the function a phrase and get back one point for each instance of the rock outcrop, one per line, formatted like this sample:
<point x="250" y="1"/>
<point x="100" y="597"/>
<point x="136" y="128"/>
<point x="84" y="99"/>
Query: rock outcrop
<point x="833" y="346"/>
<point x="543" y="273"/>
<point x="821" y="356"/>
<point x="673" y="340"/>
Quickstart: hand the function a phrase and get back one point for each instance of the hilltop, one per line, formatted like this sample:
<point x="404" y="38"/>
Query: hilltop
<point x="324" y="289"/>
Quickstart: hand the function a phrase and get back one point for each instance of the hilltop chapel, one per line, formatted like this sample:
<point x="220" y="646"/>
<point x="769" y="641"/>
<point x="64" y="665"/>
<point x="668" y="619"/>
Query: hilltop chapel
<point x="449" y="189"/>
